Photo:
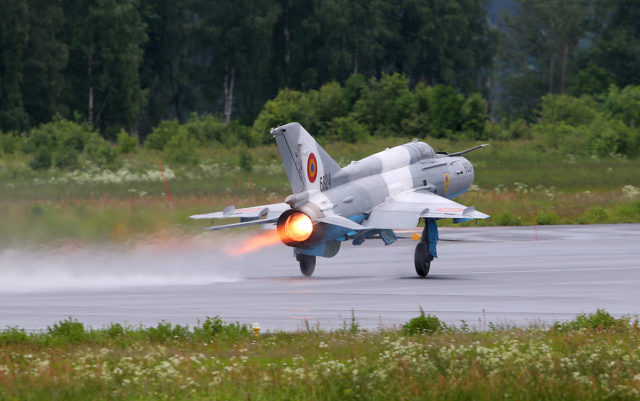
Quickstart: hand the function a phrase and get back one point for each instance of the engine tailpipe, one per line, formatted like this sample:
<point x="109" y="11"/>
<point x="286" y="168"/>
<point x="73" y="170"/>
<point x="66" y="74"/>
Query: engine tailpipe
<point x="299" y="227"/>
<point x="294" y="227"/>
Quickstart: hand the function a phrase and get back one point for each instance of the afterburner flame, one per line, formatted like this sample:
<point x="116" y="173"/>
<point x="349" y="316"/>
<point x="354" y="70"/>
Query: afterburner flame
<point x="298" y="227"/>
<point x="255" y="243"/>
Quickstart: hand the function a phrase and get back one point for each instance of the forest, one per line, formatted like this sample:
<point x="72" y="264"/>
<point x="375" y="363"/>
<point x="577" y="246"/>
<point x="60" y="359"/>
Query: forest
<point x="412" y="67"/>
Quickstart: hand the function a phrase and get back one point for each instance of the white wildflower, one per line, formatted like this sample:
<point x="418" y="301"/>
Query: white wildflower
<point x="630" y="191"/>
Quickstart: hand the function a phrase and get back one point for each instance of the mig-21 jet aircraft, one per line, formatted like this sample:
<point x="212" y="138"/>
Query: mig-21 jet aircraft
<point x="368" y="198"/>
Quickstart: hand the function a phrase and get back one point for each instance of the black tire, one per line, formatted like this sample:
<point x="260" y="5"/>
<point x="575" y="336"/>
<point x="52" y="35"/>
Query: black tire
<point x="422" y="259"/>
<point x="307" y="264"/>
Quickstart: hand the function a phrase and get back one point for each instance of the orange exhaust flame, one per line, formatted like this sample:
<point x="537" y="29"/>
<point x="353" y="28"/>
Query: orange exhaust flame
<point x="255" y="243"/>
<point x="298" y="227"/>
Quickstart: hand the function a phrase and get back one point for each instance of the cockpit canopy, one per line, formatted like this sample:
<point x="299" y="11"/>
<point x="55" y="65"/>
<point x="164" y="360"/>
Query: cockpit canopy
<point x="426" y="151"/>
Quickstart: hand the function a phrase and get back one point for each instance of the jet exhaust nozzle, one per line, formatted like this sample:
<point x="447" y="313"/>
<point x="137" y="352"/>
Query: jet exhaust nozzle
<point x="294" y="227"/>
<point x="297" y="228"/>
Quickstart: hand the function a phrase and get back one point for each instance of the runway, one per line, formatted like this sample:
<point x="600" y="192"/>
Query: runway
<point x="501" y="275"/>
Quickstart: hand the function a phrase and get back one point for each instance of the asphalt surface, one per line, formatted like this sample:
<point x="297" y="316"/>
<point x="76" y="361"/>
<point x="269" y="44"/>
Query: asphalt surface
<point x="501" y="275"/>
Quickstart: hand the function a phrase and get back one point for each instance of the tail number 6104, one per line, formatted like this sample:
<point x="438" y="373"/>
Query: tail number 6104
<point x="325" y="182"/>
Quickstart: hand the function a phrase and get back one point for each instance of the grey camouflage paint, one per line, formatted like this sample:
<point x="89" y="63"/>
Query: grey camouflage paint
<point x="360" y="186"/>
<point x="392" y="189"/>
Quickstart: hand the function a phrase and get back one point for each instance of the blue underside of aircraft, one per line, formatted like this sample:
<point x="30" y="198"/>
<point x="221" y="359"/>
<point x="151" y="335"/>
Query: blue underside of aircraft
<point x="337" y="233"/>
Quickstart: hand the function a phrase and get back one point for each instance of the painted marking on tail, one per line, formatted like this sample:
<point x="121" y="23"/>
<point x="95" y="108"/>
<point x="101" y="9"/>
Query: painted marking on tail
<point x="312" y="167"/>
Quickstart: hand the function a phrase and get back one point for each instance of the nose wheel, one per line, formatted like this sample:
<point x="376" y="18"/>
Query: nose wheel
<point x="307" y="264"/>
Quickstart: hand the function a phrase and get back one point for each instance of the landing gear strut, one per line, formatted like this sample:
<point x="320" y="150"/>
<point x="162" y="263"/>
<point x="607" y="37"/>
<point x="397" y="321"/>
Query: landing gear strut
<point x="307" y="263"/>
<point x="426" y="248"/>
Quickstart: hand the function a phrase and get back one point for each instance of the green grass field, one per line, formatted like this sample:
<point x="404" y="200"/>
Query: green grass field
<point x="517" y="182"/>
<point x="594" y="357"/>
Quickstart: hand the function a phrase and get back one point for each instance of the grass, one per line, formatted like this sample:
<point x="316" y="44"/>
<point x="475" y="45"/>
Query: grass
<point x="593" y="357"/>
<point x="523" y="205"/>
<point x="517" y="182"/>
<point x="121" y="220"/>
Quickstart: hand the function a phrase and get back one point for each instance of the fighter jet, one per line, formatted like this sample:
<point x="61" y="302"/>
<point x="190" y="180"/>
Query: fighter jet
<point x="369" y="198"/>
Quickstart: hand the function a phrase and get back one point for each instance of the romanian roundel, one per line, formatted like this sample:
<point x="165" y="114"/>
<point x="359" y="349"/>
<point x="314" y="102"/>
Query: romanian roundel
<point x="312" y="167"/>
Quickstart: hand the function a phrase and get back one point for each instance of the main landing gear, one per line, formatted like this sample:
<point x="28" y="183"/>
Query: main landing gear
<point x="422" y="259"/>
<point x="307" y="263"/>
<point x="426" y="248"/>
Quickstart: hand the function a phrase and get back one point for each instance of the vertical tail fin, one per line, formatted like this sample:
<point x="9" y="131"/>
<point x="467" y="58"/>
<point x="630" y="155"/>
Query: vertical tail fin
<point x="308" y="165"/>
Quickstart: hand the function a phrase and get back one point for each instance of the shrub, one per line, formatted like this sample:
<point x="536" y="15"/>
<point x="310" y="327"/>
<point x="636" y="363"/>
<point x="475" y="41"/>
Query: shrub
<point x="624" y="104"/>
<point x="582" y="125"/>
<point x="423" y="324"/>
<point x="68" y="330"/>
<point x="563" y="136"/>
<point x="208" y="129"/>
<point x="628" y="212"/>
<point x="166" y="331"/>
<point x="418" y="125"/>
<point x="445" y="111"/>
<point x="475" y="114"/>
<point x="182" y="149"/>
<point x="608" y="136"/>
<point x="547" y="218"/>
<point x="65" y="158"/>
<point x="59" y="133"/>
<point x="72" y="136"/>
<point x="568" y="109"/>
<point x="323" y="105"/>
<point x="506" y="219"/>
<point x="235" y="132"/>
<point x="100" y="152"/>
<point x="205" y="129"/>
<point x="596" y="214"/>
<point x="59" y="142"/>
<point x="114" y="330"/>
<point x="519" y="129"/>
<point x="348" y="129"/>
<point x="38" y="139"/>
<point x="214" y="326"/>
<point x="37" y="210"/>
<point x="385" y="104"/>
<point x="601" y="320"/>
<point x="246" y="161"/>
<point x="9" y="142"/>
<point x="41" y="159"/>
<point x="353" y="87"/>
<point x="211" y="327"/>
<point x="288" y="106"/>
<point x="13" y="335"/>
<point x="126" y="142"/>
<point x="162" y="134"/>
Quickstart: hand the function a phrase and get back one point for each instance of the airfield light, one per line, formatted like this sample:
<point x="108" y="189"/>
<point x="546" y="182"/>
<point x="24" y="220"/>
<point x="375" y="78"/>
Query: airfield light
<point x="255" y="326"/>
<point x="298" y="227"/>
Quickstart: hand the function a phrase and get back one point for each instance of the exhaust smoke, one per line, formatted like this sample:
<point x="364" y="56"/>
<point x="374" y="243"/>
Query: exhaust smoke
<point x="149" y="263"/>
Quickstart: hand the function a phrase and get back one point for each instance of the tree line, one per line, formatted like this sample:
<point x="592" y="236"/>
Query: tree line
<point x="356" y="111"/>
<point x="131" y="64"/>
